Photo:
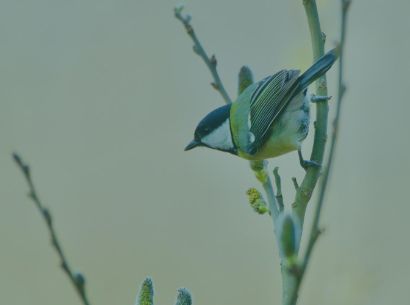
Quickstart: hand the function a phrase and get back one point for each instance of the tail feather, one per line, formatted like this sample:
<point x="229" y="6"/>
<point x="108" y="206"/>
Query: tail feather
<point x="320" y="67"/>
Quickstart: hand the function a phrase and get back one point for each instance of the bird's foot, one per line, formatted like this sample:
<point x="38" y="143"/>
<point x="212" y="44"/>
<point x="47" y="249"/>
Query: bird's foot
<point x="307" y="163"/>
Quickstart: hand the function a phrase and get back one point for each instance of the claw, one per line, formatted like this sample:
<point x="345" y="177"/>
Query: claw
<point x="307" y="163"/>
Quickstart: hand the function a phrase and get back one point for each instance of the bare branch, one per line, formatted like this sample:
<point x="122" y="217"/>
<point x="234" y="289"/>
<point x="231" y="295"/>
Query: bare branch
<point x="76" y="278"/>
<point x="210" y="62"/>
<point x="315" y="231"/>
<point x="305" y="190"/>
<point x="310" y="180"/>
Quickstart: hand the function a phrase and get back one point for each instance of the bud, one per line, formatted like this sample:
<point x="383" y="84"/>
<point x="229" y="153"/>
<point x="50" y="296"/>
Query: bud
<point x="79" y="279"/>
<point x="146" y="295"/>
<point x="289" y="231"/>
<point x="245" y="79"/>
<point x="183" y="297"/>
<point x="256" y="201"/>
<point x="258" y="165"/>
<point x="178" y="9"/>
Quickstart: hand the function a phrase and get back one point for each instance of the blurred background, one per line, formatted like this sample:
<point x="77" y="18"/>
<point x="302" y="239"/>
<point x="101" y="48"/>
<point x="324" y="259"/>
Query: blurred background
<point x="100" y="97"/>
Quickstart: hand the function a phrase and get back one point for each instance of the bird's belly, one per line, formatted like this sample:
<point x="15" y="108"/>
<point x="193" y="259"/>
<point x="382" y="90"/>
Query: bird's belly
<point x="287" y="134"/>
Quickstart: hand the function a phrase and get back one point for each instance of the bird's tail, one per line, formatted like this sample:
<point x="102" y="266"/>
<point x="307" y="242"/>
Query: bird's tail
<point x="320" y="67"/>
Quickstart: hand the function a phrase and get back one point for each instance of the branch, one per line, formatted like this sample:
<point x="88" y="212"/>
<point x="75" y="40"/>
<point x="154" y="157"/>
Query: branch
<point x="315" y="231"/>
<point x="245" y="79"/>
<point x="305" y="190"/>
<point x="210" y="62"/>
<point x="291" y="280"/>
<point x="76" y="278"/>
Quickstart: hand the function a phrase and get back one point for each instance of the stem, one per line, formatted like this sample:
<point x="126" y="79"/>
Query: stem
<point x="291" y="282"/>
<point x="315" y="230"/>
<point x="291" y="278"/>
<point x="245" y="79"/>
<point x="308" y="184"/>
<point x="77" y="279"/>
<point x="311" y="11"/>
<point x="210" y="62"/>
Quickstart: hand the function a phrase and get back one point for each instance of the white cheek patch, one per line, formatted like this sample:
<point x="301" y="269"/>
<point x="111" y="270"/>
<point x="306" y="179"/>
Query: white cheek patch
<point x="220" y="138"/>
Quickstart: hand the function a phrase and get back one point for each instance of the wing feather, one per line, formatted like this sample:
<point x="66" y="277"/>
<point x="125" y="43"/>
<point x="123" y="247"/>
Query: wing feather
<point x="267" y="103"/>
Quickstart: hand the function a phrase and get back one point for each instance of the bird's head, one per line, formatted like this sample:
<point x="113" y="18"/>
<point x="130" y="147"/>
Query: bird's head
<point x="214" y="131"/>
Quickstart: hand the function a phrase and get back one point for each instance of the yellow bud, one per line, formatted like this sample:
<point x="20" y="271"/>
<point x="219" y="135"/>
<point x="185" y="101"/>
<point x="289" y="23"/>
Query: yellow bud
<point x="253" y="195"/>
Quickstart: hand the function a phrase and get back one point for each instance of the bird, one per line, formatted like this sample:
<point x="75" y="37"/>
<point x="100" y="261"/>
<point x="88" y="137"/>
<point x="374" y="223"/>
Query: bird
<point x="268" y="119"/>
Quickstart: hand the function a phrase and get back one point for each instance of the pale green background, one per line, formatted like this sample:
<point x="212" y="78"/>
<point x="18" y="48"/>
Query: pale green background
<point x="101" y="96"/>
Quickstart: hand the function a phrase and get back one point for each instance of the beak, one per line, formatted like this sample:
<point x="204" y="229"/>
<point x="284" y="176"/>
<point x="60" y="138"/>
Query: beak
<point x="192" y="144"/>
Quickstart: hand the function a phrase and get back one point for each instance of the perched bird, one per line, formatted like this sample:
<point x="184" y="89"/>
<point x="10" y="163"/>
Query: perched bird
<point x="268" y="119"/>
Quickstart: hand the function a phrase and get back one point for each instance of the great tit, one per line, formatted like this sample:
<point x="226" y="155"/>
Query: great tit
<point x="269" y="118"/>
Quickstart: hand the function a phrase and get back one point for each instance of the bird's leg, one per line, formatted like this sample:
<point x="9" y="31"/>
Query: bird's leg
<point x="319" y="98"/>
<point x="307" y="163"/>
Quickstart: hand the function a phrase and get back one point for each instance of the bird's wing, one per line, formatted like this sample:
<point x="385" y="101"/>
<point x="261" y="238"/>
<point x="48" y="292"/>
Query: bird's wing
<point x="269" y="99"/>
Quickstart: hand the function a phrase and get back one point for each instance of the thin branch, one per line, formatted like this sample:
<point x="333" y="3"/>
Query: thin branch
<point x="308" y="184"/>
<point x="279" y="196"/>
<point x="315" y="230"/>
<point x="77" y="279"/>
<point x="245" y="79"/>
<point x="291" y="280"/>
<point x="210" y="62"/>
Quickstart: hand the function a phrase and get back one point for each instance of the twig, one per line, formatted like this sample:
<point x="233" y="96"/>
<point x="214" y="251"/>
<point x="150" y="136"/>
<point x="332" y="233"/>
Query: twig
<point x="76" y="278"/>
<point x="315" y="231"/>
<point x="305" y="190"/>
<point x="210" y="62"/>
<point x="279" y="196"/>
<point x="245" y="79"/>
<point x="291" y="281"/>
